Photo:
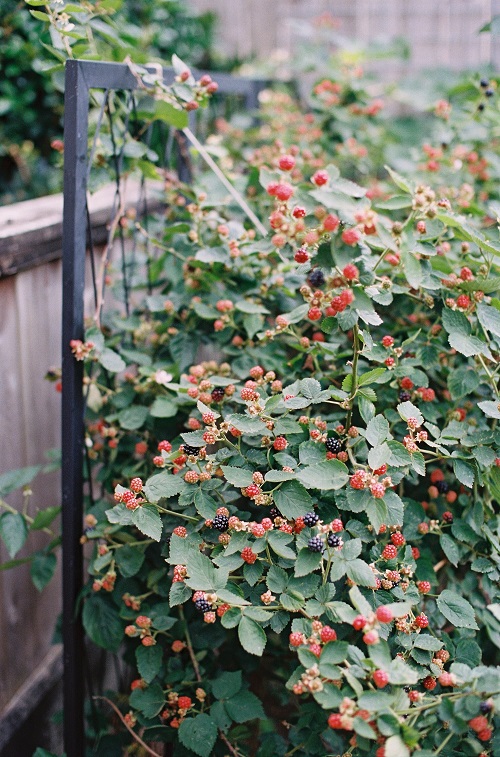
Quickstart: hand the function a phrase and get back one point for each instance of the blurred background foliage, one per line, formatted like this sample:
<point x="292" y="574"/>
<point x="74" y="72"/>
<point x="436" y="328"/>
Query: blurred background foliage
<point x="30" y="97"/>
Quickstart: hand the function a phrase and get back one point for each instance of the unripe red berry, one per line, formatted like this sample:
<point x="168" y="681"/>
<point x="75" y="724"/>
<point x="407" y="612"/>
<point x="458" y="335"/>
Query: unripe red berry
<point x="359" y="622"/>
<point x="301" y="255"/>
<point x="286" y="162"/>
<point x="421" y="621"/>
<point x="398" y="539"/>
<point x="296" y="639"/>
<point x="320" y="178"/>
<point x="389" y="552"/>
<point x="350" y="272"/>
<point x="424" y="587"/>
<point x="384" y="614"/>
<point x="248" y="555"/>
<point x="314" y="314"/>
<point x="327" y="634"/>
<point x="380" y="678"/>
<point x="280" y="443"/>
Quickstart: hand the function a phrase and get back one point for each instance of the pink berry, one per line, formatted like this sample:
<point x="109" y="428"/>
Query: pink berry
<point x="384" y="614"/>
<point x="320" y="178"/>
<point x="380" y="678"/>
<point x="359" y="622"/>
<point x="350" y="272"/>
<point x="286" y="162"/>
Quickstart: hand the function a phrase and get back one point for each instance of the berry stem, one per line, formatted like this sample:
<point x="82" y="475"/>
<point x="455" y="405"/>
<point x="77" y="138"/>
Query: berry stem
<point x="354" y="387"/>
<point x="178" y="515"/>
<point x="189" y="645"/>
<point x="28" y="518"/>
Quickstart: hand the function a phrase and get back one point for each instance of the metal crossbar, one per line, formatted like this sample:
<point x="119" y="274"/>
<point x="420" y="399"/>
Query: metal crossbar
<point x="81" y="78"/>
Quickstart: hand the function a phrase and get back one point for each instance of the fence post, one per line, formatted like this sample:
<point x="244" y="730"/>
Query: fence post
<point x="76" y="107"/>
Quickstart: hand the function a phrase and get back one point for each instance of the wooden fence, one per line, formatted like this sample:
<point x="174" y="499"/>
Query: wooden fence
<point x="30" y="419"/>
<point x="443" y="33"/>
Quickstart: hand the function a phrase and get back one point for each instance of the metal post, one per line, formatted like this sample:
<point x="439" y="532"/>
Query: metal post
<point x="76" y="106"/>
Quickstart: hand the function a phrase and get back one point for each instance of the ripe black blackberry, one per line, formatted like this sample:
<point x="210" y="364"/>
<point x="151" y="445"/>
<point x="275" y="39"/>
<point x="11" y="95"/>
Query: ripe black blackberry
<point x="484" y="83"/>
<point x="317" y="278"/>
<point x="188" y="449"/>
<point x="333" y="445"/>
<point x="218" y="394"/>
<point x="404" y="396"/>
<point x="442" y="487"/>
<point x="221" y="522"/>
<point x="310" y="519"/>
<point x="485" y="707"/>
<point x="315" y="544"/>
<point x="489" y="93"/>
<point x="202" y="605"/>
<point x="335" y="541"/>
<point x="274" y="513"/>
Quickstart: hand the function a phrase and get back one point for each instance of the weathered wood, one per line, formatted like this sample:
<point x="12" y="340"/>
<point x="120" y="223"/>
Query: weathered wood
<point x="31" y="231"/>
<point x="30" y="694"/>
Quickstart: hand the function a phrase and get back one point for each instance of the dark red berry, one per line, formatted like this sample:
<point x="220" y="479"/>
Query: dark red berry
<point x="218" y="394"/>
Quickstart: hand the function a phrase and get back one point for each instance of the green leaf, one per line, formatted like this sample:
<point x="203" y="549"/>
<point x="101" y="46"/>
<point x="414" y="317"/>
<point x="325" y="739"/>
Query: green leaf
<point x="374" y="701"/>
<point x="252" y="637"/>
<point x="399" y="180"/>
<point x="468" y="345"/>
<point x="179" y="593"/>
<point x="15" y="479"/>
<point x="42" y="569"/>
<point x="276" y="579"/>
<point x="327" y="475"/>
<point x="490" y="408"/>
<point x="198" y="734"/>
<point x="247" y="425"/>
<point x="111" y="361"/>
<point x="464" y="472"/>
<point x="129" y="560"/>
<point x="245" y="706"/>
<point x="102" y="623"/>
<point x="377" y="513"/>
<point x="13" y="531"/>
<point x="44" y="518"/>
<point x="307" y="562"/>
<point x="237" y="476"/>
<point x="227" y="685"/>
<point x="148" y="661"/>
<point x="163" y="484"/>
<point x="400" y="673"/>
<point x="395" y="747"/>
<point x="457" y="610"/>
<point x="379" y="456"/>
<point x="202" y="573"/>
<point x="278" y="541"/>
<point x="412" y="269"/>
<point x="377" y="430"/>
<point x="450" y="548"/>
<point x="148" y="521"/>
<point x="163" y="407"/>
<point x="167" y="112"/>
<point x="293" y="500"/>
<point x="360" y="572"/>
<point x="462" y="382"/>
<point x="455" y="322"/>
<point x="149" y="701"/>
<point x="133" y="417"/>
<point x="426" y="641"/>
<point x="371" y="377"/>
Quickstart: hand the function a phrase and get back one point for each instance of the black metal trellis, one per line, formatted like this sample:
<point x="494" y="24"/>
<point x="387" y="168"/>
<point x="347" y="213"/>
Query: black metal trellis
<point x="81" y="77"/>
